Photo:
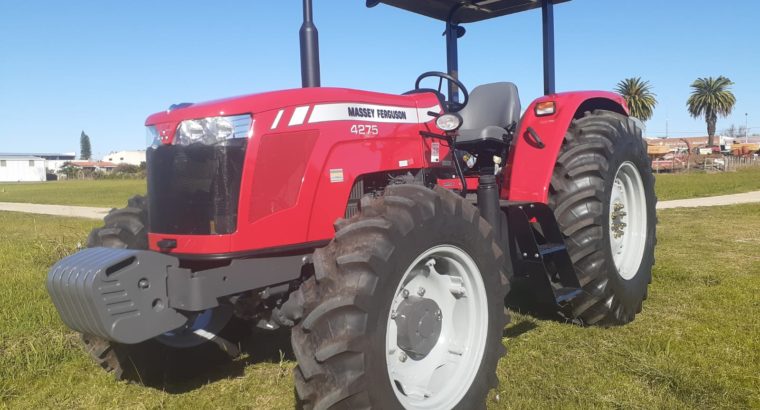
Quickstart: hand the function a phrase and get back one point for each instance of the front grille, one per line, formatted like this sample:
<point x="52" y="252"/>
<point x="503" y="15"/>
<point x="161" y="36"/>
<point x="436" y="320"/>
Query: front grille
<point x="194" y="189"/>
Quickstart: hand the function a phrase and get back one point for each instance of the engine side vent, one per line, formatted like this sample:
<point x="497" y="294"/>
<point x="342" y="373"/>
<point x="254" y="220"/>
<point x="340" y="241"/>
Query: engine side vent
<point x="357" y="191"/>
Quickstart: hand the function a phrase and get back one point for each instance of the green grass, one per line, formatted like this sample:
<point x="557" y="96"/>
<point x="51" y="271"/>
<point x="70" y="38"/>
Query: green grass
<point x="700" y="184"/>
<point x="109" y="193"/>
<point x="695" y="345"/>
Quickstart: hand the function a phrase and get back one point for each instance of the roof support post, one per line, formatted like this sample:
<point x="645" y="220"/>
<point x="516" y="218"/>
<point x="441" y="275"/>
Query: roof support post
<point x="547" y="13"/>
<point x="309" y="49"/>
<point x="452" y="59"/>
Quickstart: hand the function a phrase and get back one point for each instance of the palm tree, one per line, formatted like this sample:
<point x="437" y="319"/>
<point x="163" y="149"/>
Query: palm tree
<point x="639" y="97"/>
<point x="711" y="97"/>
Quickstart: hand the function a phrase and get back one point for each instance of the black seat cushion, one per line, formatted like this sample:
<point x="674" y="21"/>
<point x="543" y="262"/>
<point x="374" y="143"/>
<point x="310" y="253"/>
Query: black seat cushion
<point x="492" y="109"/>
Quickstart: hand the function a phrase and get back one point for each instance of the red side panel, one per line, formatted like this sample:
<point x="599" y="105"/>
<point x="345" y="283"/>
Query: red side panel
<point x="278" y="172"/>
<point x="530" y="168"/>
<point x="402" y="149"/>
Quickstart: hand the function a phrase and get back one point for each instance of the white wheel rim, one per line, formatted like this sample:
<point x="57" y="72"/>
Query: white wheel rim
<point x="627" y="220"/>
<point x="439" y="380"/>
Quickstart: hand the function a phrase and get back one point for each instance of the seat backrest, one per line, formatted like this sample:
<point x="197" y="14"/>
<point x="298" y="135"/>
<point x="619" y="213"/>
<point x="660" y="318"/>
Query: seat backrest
<point x="495" y="104"/>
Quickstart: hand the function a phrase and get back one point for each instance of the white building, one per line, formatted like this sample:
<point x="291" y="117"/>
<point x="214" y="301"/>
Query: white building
<point x="53" y="161"/>
<point x="126" y="157"/>
<point x="16" y="168"/>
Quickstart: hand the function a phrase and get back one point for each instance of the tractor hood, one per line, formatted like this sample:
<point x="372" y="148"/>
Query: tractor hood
<point x="255" y="103"/>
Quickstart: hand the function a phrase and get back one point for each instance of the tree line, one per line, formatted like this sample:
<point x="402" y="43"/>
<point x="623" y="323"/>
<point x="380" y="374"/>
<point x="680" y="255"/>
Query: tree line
<point x="710" y="98"/>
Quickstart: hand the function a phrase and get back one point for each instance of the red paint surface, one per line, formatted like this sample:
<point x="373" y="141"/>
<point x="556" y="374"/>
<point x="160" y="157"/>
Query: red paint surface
<point x="275" y="211"/>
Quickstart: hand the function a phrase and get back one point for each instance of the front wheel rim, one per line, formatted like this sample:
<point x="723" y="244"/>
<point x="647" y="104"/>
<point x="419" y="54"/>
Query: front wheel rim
<point x="627" y="220"/>
<point x="442" y="375"/>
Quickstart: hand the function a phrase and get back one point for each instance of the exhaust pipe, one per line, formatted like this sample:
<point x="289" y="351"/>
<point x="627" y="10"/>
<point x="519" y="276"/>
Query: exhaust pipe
<point x="309" y="49"/>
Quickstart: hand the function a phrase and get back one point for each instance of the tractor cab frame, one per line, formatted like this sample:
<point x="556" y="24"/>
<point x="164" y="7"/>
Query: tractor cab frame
<point x="453" y="13"/>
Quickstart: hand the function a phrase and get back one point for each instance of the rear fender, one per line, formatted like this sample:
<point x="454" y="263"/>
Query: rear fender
<point x="529" y="167"/>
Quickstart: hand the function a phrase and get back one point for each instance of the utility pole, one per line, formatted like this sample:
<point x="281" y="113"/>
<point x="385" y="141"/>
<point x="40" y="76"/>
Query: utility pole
<point x="666" y="129"/>
<point x="746" y="130"/>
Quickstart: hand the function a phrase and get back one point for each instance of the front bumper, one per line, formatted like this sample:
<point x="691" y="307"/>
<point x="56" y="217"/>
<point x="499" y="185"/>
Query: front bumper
<point x="129" y="296"/>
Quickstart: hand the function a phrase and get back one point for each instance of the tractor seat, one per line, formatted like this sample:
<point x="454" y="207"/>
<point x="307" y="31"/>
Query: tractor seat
<point x="492" y="109"/>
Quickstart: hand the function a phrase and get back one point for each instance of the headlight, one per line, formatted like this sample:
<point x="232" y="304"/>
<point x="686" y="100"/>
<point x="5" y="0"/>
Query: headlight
<point x="213" y="130"/>
<point x="449" y="122"/>
<point x="151" y="136"/>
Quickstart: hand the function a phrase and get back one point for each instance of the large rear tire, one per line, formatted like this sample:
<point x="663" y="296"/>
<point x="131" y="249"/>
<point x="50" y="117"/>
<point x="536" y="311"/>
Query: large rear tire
<point x="602" y="194"/>
<point x="406" y="307"/>
<point x="178" y="354"/>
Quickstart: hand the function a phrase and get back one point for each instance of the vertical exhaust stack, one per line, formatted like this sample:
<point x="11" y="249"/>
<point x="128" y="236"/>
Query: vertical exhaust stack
<point x="309" y="49"/>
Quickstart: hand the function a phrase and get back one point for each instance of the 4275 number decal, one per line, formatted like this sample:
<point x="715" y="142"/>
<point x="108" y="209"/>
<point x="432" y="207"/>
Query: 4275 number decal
<point x="366" y="130"/>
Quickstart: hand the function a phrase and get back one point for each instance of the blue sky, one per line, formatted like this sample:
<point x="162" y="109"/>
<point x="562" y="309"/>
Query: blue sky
<point x="104" y="66"/>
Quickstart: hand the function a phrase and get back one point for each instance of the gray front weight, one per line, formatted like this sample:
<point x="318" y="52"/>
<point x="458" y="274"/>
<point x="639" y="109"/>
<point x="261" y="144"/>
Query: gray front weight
<point x="116" y="294"/>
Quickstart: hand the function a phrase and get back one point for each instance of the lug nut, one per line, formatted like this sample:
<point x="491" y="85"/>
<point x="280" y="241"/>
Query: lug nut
<point x="402" y="357"/>
<point x="143" y="283"/>
<point x="421" y="291"/>
<point x="405" y="293"/>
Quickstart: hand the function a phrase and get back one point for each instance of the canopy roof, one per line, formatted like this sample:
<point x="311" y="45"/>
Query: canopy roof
<point x="471" y="11"/>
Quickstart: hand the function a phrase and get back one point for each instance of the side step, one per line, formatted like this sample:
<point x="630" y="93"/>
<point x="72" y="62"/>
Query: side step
<point x="539" y="254"/>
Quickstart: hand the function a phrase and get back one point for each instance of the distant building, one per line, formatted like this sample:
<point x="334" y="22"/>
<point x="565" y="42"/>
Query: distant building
<point x="53" y="161"/>
<point x="94" y="165"/>
<point x="126" y="157"/>
<point x="20" y="168"/>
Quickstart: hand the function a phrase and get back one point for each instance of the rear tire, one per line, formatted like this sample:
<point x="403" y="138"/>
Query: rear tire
<point x="347" y="354"/>
<point x="151" y="362"/>
<point x="602" y="194"/>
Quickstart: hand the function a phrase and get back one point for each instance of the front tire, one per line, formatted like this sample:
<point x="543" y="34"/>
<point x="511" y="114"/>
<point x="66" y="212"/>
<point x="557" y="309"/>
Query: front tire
<point x="602" y="194"/>
<point x="406" y="307"/>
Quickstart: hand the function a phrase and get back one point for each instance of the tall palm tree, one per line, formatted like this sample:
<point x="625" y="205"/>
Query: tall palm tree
<point x="711" y="97"/>
<point x="639" y="97"/>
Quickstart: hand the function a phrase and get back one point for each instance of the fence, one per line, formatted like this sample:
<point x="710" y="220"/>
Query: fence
<point x="733" y="163"/>
<point x="713" y="163"/>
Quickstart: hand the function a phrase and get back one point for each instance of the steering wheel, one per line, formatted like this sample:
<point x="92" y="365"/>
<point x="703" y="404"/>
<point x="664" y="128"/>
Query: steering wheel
<point x="450" y="106"/>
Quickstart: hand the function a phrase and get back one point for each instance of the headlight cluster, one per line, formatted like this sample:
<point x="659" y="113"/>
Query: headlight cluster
<point x="151" y="136"/>
<point x="213" y="130"/>
<point x="449" y="121"/>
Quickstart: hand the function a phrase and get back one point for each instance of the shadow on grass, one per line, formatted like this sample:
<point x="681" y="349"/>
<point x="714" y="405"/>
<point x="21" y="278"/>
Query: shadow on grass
<point x="186" y="373"/>
<point x="524" y="300"/>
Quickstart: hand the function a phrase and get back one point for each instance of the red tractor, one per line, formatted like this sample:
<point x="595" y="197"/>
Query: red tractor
<point x="385" y="230"/>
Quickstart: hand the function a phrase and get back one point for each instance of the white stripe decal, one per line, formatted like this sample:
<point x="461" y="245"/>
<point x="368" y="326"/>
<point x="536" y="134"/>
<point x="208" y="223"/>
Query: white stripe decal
<point x="423" y="113"/>
<point x="298" y="116"/>
<point x="370" y="113"/>
<point x="277" y="119"/>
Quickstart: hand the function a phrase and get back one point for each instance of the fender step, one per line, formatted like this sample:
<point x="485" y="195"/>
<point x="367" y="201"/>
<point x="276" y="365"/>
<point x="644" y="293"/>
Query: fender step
<point x="539" y="254"/>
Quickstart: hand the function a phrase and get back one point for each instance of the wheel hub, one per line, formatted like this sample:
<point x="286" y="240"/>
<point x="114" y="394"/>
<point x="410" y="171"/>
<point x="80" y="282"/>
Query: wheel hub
<point x="616" y="216"/>
<point x="419" y="326"/>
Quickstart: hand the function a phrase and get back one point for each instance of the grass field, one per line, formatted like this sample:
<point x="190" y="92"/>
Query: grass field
<point x="700" y="184"/>
<point x="109" y="193"/>
<point x="696" y="344"/>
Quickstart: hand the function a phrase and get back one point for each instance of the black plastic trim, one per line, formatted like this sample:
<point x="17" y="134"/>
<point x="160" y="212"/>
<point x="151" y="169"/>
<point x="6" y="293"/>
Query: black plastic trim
<point x="278" y="251"/>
